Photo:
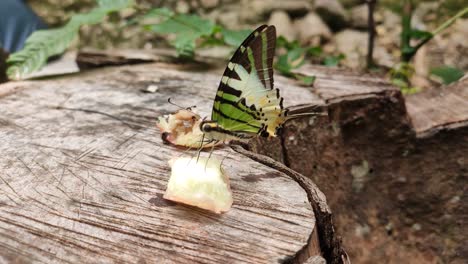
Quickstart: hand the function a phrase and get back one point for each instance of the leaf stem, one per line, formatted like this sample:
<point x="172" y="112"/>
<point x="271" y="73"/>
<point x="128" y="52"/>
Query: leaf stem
<point x="445" y="25"/>
<point x="449" y="22"/>
<point x="408" y="51"/>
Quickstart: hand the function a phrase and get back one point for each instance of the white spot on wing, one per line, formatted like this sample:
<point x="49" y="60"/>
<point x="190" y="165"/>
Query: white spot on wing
<point x="224" y="79"/>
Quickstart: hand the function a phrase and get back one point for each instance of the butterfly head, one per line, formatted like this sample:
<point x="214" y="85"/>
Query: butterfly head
<point x="208" y="126"/>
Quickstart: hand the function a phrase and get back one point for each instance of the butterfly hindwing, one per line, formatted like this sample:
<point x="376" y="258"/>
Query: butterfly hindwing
<point x="246" y="101"/>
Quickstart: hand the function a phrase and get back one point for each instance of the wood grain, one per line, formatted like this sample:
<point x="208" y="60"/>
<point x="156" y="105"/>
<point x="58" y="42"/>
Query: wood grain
<point x="334" y="84"/>
<point x="83" y="170"/>
<point x="438" y="109"/>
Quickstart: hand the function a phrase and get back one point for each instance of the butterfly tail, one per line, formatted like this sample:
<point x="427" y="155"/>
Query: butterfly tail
<point x="315" y="110"/>
<point x="293" y="116"/>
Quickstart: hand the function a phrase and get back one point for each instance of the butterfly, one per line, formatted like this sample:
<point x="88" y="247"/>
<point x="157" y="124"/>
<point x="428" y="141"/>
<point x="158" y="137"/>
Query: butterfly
<point x="246" y="103"/>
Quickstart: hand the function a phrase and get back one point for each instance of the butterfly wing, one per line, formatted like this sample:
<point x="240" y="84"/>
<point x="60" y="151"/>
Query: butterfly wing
<point x="246" y="101"/>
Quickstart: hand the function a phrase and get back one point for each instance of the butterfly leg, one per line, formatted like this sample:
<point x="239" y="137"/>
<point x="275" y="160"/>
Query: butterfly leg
<point x="225" y="157"/>
<point x="201" y="147"/>
<point x="211" y="151"/>
<point x="185" y="151"/>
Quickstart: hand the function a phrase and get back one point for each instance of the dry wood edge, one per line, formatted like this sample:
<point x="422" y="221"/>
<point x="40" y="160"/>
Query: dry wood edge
<point x="330" y="244"/>
<point x="91" y="58"/>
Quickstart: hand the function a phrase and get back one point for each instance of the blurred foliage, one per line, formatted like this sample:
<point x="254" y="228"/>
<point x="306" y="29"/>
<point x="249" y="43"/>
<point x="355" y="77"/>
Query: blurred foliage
<point x="450" y="7"/>
<point x="333" y="61"/>
<point x="187" y="29"/>
<point x="234" y="37"/>
<point x="411" y="41"/>
<point x="43" y="44"/>
<point x="201" y="32"/>
<point x="400" y="76"/>
<point x="105" y="36"/>
<point x="446" y="8"/>
<point x="294" y="57"/>
<point x="190" y="29"/>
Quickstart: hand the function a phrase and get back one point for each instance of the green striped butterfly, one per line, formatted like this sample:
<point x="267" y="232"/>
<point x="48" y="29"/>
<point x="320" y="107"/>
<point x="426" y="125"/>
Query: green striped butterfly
<point x="246" y="105"/>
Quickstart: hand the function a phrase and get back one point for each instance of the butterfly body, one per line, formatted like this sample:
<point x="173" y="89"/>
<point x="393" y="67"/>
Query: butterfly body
<point x="214" y="132"/>
<point x="246" y="104"/>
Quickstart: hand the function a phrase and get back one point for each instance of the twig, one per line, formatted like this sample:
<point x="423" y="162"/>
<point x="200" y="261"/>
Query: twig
<point x="371" y="28"/>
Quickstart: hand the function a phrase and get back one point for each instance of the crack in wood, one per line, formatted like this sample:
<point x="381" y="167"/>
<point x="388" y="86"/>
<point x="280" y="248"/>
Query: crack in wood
<point x="100" y="113"/>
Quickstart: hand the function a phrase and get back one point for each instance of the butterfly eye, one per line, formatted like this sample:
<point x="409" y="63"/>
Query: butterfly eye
<point x="206" y="128"/>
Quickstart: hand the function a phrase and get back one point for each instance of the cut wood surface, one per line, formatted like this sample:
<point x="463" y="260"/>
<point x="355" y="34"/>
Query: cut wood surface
<point x="83" y="171"/>
<point x="439" y="109"/>
<point x="335" y="84"/>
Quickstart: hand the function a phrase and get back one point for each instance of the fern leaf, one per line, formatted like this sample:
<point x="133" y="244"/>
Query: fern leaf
<point x="43" y="44"/>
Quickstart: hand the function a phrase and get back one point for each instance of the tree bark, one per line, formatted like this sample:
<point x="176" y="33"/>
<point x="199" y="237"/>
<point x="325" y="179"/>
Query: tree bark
<point x="393" y="169"/>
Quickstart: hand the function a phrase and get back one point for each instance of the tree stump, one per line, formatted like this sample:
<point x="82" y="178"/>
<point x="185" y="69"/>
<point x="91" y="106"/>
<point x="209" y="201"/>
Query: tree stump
<point x="393" y="169"/>
<point x="83" y="171"/>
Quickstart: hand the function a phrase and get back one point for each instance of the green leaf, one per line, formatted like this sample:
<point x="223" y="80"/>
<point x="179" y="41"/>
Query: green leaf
<point x="182" y="24"/>
<point x="235" y="37"/>
<point x="156" y="13"/>
<point x="282" y="65"/>
<point x="114" y="5"/>
<point x="43" y="44"/>
<point x="401" y="74"/>
<point x="410" y="90"/>
<point x="401" y="83"/>
<point x="306" y="80"/>
<point x="294" y="59"/>
<point x="333" y="60"/>
<point x="447" y="74"/>
<point x="282" y="42"/>
<point x="159" y="13"/>
<point x="315" y="51"/>
<point x="420" y="34"/>
<point x="187" y="28"/>
<point x="212" y="41"/>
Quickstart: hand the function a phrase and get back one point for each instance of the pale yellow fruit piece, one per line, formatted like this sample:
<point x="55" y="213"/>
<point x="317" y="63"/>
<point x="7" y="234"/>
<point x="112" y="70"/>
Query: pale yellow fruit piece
<point x="203" y="184"/>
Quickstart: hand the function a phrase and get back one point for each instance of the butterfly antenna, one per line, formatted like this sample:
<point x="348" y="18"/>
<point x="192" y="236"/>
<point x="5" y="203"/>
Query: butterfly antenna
<point x="186" y="108"/>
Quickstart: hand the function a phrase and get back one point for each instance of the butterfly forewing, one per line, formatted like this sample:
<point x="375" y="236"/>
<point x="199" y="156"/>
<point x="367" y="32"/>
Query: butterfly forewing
<point x="245" y="100"/>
